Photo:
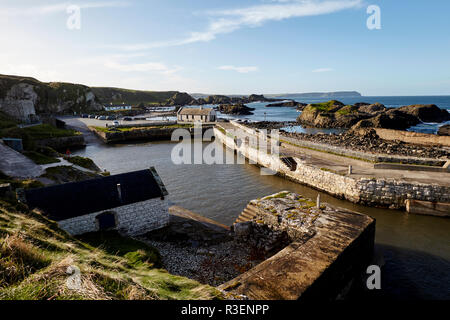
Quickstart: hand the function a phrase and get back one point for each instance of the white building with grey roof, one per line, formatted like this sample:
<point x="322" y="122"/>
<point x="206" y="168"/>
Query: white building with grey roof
<point x="191" y="115"/>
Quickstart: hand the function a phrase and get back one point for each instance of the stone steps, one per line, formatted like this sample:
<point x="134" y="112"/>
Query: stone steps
<point x="247" y="215"/>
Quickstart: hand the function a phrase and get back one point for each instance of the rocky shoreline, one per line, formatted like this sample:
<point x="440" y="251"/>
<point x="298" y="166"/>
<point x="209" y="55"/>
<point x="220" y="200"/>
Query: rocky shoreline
<point x="369" y="141"/>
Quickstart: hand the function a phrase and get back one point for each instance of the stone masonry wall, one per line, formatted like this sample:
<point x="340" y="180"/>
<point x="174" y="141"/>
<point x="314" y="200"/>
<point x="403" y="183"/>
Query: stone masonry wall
<point x="372" y="192"/>
<point x="134" y="219"/>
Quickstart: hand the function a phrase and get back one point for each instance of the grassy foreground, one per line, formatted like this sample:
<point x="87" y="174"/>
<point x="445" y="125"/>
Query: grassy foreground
<point x="35" y="256"/>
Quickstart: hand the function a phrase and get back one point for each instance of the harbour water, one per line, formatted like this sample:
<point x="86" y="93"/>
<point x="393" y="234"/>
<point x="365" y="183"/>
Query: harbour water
<point x="416" y="249"/>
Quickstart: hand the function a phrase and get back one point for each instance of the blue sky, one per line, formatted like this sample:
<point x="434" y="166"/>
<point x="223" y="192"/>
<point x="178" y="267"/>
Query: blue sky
<point x="232" y="47"/>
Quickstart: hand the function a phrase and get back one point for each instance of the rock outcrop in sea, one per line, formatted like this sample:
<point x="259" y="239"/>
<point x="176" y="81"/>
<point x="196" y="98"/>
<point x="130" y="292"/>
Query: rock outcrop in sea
<point x="235" y="109"/>
<point x="334" y="114"/>
<point x="290" y="103"/>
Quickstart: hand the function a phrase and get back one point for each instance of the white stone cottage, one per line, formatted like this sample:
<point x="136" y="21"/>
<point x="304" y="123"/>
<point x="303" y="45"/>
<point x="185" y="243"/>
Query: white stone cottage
<point x="190" y="115"/>
<point x="133" y="203"/>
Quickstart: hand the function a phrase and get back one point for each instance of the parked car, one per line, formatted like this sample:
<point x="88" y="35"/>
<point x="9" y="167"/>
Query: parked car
<point x="111" y="118"/>
<point x="127" y="119"/>
<point x="91" y="116"/>
<point x="85" y="116"/>
<point x="102" y="118"/>
<point x="113" y="124"/>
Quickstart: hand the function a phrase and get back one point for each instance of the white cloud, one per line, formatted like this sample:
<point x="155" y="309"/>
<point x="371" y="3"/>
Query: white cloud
<point x="323" y="70"/>
<point x="56" y="8"/>
<point x="227" y="21"/>
<point x="239" y="69"/>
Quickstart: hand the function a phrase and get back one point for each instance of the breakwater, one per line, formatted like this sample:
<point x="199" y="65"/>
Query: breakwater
<point x="383" y="192"/>
<point x="330" y="248"/>
<point x="141" y="133"/>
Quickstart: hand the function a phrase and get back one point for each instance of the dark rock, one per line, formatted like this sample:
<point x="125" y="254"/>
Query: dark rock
<point x="391" y="119"/>
<point x="331" y="114"/>
<point x="371" y="108"/>
<point x="217" y="99"/>
<point x="257" y="97"/>
<point x="242" y="229"/>
<point x="291" y="103"/>
<point x="427" y="113"/>
<point x="334" y="114"/>
<point x="181" y="99"/>
<point x="235" y="109"/>
<point x="220" y="99"/>
<point x="444" y="130"/>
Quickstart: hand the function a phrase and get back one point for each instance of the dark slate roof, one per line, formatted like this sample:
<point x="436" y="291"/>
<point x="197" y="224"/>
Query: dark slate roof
<point x="75" y="199"/>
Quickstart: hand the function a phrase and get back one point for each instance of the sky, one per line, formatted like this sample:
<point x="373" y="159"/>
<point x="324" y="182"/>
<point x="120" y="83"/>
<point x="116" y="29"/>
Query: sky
<point x="232" y="46"/>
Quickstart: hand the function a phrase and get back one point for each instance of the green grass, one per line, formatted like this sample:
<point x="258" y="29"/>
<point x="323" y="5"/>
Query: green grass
<point x="133" y="97"/>
<point x="83" y="162"/>
<point x="40" y="158"/>
<point x="347" y="110"/>
<point x="136" y="252"/>
<point x="221" y="130"/>
<point x="324" y="106"/>
<point x="30" y="135"/>
<point x="128" y="129"/>
<point x="46" y="131"/>
<point x="35" y="255"/>
<point x="7" y="121"/>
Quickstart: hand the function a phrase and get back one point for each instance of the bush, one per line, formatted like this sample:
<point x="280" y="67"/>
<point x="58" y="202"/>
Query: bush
<point x="39" y="158"/>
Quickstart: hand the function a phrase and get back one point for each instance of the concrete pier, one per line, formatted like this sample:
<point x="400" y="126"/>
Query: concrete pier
<point x="330" y="248"/>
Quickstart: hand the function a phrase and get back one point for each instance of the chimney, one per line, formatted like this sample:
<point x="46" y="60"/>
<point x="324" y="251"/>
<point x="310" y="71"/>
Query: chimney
<point x="119" y="191"/>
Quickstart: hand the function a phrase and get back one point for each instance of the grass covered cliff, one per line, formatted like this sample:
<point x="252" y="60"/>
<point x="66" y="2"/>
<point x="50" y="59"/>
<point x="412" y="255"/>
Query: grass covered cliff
<point x="37" y="258"/>
<point x="132" y="97"/>
<point x="21" y="96"/>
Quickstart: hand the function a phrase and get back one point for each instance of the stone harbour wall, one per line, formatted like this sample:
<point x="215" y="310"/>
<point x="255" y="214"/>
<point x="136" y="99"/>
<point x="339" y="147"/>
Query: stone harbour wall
<point x="371" y="192"/>
<point x="63" y="143"/>
<point x="413" y="137"/>
<point x="131" y="220"/>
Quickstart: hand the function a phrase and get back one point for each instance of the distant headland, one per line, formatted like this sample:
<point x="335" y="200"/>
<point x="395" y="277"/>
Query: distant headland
<point x="318" y="95"/>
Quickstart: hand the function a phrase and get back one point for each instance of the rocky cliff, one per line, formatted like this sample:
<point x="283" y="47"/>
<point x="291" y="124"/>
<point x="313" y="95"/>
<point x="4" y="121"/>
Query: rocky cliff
<point x="24" y="98"/>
